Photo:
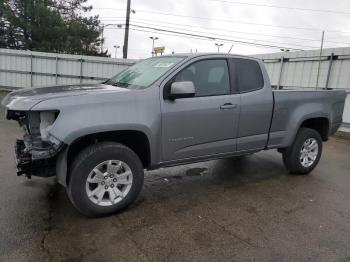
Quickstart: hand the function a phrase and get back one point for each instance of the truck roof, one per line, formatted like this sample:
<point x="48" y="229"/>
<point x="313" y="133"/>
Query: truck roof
<point x="192" y="55"/>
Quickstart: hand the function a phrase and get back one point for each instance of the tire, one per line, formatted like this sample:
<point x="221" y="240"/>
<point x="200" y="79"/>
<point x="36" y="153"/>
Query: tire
<point x="298" y="162"/>
<point x="106" y="165"/>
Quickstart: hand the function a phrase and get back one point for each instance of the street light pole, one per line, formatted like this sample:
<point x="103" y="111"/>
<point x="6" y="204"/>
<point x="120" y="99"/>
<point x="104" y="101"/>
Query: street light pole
<point x="116" y="48"/>
<point x="153" y="39"/>
<point x="219" y="45"/>
<point x="102" y="35"/>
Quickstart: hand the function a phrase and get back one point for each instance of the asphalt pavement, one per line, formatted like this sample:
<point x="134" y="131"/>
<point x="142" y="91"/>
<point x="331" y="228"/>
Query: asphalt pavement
<point x="239" y="209"/>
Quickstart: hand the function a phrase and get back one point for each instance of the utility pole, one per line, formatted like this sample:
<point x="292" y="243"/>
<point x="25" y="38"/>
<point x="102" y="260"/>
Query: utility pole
<point x="126" y="35"/>
<point x="218" y="45"/>
<point x="319" y="62"/>
<point x="103" y="28"/>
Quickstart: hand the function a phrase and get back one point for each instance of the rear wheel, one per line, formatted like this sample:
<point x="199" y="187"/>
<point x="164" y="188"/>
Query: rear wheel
<point x="105" y="178"/>
<point x="305" y="153"/>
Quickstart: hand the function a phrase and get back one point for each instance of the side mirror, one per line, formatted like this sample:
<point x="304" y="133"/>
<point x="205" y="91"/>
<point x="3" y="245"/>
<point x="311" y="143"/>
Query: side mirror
<point x="182" y="89"/>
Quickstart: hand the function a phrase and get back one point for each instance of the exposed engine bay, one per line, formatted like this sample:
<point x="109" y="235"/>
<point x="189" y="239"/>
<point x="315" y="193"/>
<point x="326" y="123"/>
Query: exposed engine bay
<point x="36" y="153"/>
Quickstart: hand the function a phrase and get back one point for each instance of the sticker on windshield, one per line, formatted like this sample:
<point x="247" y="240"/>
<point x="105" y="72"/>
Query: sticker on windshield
<point x="163" y="65"/>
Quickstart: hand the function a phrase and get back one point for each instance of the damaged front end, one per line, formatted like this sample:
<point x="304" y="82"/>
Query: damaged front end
<point x="37" y="152"/>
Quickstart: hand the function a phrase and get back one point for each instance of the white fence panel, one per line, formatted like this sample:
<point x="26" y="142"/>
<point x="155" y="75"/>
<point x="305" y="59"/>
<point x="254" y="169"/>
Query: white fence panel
<point x="25" y="69"/>
<point x="300" y="69"/>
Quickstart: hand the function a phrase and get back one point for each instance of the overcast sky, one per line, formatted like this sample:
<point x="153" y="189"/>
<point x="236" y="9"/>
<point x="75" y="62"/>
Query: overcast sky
<point x="228" y="19"/>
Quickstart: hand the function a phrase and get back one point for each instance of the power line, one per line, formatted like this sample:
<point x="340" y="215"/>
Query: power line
<point x="205" y="37"/>
<point x="173" y="34"/>
<point x="235" y="21"/>
<point x="202" y="37"/>
<point x="239" y="22"/>
<point x="214" y="38"/>
<point x="231" y="31"/>
<point x="116" y="17"/>
<point x="283" y="7"/>
<point x="106" y="8"/>
<point x="164" y="33"/>
<point x="218" y="35"/>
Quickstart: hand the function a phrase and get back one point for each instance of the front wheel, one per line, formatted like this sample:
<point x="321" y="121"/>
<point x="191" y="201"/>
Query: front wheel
<point x="305" y="153"/>
<point x="105" y="178"/>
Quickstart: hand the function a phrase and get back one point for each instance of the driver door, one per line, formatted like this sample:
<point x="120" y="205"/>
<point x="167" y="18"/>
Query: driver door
<point x="205" y="124"/>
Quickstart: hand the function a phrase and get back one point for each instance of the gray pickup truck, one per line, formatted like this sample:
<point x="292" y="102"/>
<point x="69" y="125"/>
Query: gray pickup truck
<point x="164" y="111"/>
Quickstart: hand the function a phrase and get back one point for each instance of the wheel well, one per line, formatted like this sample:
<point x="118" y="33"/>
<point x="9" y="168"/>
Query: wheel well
<point x="320" y="124"/>
<point x="135" y="140"/>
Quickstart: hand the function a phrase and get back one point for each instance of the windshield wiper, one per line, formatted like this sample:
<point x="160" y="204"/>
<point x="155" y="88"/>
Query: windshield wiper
<point x="112" y="83"/>
<point x="107" y="82"/>
<point x="120" y="84"/>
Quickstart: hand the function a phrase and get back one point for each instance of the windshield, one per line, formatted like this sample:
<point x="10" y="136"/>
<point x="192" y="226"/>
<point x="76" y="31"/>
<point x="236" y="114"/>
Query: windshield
<point x="144" y="73"/>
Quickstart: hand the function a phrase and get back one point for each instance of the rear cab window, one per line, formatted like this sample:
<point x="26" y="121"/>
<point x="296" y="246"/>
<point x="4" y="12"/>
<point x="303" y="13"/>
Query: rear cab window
<point x="246" y="75"/>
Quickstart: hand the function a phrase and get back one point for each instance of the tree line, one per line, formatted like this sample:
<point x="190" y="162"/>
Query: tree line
<point x="62" y="26"/>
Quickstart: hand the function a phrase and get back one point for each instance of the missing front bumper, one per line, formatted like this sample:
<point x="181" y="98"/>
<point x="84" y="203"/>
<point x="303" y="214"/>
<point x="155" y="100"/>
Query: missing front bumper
<point x="29" y="166"/>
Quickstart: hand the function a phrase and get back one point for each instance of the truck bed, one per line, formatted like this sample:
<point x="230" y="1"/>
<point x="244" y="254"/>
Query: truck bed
<point x="292" y="107"/>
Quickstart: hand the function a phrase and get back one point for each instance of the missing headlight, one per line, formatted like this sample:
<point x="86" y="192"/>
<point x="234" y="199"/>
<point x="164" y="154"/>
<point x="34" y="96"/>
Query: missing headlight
<point x="47" y="118"/>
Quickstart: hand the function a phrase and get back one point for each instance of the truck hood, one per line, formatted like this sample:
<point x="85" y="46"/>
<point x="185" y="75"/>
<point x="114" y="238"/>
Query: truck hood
<point x="27" y="98"/>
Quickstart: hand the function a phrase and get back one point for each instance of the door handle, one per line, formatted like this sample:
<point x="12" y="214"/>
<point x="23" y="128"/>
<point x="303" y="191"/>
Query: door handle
<point x="228" y="106"/>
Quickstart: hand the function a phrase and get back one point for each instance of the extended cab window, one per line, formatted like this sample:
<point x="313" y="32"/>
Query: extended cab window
<point x="247" y="75"/>
<point x="210" y="77"/>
